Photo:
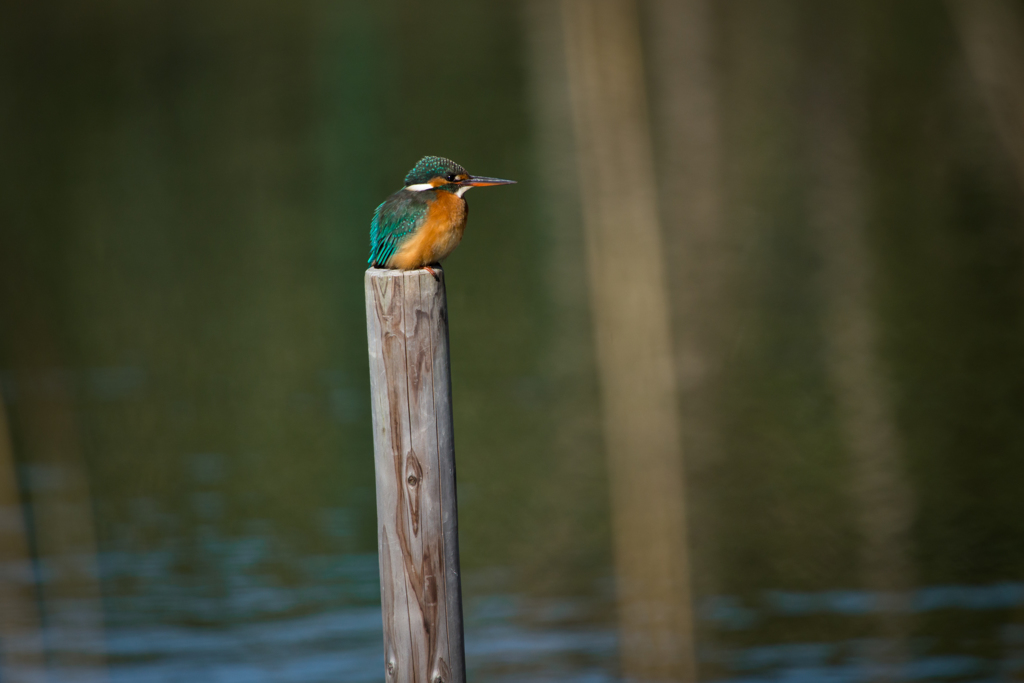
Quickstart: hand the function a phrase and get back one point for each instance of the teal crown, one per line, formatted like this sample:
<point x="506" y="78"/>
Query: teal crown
<point x="429" y="168"/>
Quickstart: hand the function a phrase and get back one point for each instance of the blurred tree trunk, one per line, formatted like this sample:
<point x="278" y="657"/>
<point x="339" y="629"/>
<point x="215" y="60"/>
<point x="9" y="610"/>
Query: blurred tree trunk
<point x="838" y="213"/>
<point x="992" y="33"/>
<point x="700" y="254"/>
<point x="64" y="532"/>
<point x="43" y="421"/>
<point x="22" y="658"/>
<point x="633" y="341"/>
<point x="62" y="520"/>
<point x="577" y="492"/>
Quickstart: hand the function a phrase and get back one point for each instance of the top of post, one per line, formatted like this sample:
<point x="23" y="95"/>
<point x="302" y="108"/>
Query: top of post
<point x="387" y="282"/>
<point x="419" y="273"/>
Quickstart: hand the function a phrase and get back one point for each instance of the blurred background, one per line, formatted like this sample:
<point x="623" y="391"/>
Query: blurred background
<point x="828" y="203"/>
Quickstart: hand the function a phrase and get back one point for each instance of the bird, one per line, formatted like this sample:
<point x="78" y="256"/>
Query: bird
<point x="421" y="224"/>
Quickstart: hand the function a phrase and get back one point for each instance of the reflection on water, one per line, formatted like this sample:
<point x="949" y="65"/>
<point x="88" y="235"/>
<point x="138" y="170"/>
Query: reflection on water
<point x="186" y="484"/>
<point x="163" y="625"/>
<point x="230" y="621"/>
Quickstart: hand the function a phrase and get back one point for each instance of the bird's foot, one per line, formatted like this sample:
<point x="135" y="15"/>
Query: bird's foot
<point x="437" y="277"/>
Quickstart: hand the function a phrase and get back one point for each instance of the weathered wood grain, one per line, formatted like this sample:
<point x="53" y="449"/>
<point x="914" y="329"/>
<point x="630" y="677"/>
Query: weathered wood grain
<point x="414" y="455"/>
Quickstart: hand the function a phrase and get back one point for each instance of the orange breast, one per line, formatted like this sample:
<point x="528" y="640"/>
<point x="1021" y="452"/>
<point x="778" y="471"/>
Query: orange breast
<point x="440" y="234"/>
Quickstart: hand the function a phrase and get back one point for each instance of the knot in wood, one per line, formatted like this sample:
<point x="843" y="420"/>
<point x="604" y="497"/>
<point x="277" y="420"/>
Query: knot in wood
<point x="391" y="668"/>
<point x="414" y="469"/>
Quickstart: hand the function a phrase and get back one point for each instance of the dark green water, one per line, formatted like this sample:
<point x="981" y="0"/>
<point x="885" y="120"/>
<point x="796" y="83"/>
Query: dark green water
<point x="185" y="193"/>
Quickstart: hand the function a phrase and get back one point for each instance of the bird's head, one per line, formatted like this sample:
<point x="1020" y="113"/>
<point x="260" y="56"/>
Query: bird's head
<point x="438" y="173"/>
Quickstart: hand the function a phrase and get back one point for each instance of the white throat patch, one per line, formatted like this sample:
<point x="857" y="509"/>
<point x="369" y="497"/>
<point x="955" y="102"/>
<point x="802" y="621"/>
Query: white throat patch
<point x="420" y="187"/>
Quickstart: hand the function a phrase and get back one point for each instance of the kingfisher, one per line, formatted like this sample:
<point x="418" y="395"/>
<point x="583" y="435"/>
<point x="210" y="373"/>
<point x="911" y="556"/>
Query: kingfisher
<point x="421" y="224"/>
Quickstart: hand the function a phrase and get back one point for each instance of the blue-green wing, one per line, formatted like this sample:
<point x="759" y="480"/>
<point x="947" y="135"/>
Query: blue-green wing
<point x="394" y="221"/>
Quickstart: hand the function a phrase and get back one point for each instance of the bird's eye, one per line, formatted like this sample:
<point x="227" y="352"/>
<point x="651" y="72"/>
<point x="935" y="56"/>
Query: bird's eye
<point x="451" y="177"/>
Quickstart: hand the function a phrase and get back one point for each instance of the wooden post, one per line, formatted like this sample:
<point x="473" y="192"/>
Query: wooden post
<point x="414" y="455"/>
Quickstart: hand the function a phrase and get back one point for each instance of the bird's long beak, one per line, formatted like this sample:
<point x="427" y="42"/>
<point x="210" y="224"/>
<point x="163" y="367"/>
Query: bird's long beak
<point x="481" y="181"/>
